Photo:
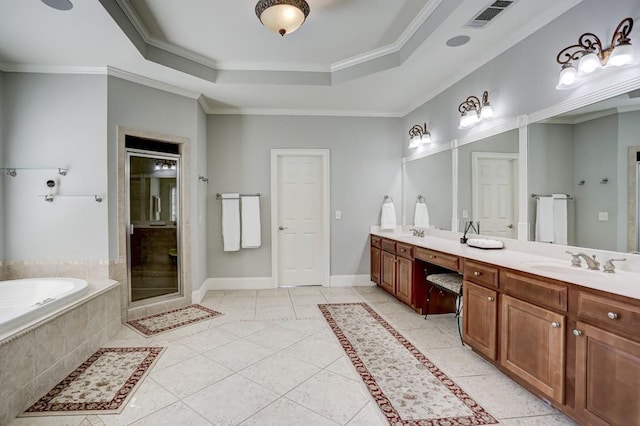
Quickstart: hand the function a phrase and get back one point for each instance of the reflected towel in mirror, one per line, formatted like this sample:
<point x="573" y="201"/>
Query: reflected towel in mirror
<point x="421" y="215"/>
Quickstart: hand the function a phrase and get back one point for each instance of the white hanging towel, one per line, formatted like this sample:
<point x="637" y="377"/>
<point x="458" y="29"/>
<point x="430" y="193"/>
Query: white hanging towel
<point x="231" y="222"/>
<point x="388" y="216"/>
<point x="250" y="216"/>
<point x="560" y="218"/>
<point x="544" y="220"/>
<point x="421" y="216"/>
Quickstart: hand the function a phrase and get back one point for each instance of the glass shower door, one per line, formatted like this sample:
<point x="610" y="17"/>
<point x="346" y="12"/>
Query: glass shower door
<point x="153" y="207"/>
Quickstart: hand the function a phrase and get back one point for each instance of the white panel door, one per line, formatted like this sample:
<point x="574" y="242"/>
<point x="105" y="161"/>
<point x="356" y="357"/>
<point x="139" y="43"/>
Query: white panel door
<point x="300" y="221"/>
<point x="495" y="192"/>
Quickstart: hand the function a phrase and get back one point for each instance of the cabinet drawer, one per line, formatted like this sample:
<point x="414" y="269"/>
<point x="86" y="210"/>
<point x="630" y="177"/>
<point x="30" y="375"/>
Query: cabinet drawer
<point x="376" y="241"/>
<point x="404" y="250"/>
<point x="538" y="291"/>
<point x="610" y="313"/>
<point x="481" y="274"/>
<point x="388" y="245"/>
<point x="448" y="261"/>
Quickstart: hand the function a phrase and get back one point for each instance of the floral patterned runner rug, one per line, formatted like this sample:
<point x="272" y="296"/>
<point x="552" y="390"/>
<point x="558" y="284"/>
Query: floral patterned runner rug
<point x="101" y="385"/>
<point x="170" y="320"/>
<point x="409" y="389"/>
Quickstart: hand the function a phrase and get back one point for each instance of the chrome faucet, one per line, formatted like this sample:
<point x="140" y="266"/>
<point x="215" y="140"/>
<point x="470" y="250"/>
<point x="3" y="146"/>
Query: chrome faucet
<point x="609" y="267"/>
<point x="592" y="263"/>
<point x="417" y="232"/>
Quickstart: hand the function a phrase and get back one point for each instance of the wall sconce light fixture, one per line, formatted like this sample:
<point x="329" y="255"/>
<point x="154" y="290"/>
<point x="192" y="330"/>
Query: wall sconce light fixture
<point x="592" y="55"/>
<point x="472" y="110"/>
<point x="419" y="135"/>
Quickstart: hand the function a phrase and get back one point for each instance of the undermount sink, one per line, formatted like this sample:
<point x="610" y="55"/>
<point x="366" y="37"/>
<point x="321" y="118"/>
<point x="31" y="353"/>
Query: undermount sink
<point x="561" y="269"/>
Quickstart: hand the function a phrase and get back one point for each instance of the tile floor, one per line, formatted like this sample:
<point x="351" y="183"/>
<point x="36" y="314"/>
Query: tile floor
<point x="272" y="360"/>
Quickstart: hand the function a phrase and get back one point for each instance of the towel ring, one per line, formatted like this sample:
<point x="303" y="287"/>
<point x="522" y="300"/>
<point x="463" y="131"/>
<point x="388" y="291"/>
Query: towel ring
<point x="388" y="199"/>
<point x="421" y="199"/>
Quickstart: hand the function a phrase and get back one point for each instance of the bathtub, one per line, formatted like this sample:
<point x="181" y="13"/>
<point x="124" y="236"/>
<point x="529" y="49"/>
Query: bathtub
<point x="25" y="301"/>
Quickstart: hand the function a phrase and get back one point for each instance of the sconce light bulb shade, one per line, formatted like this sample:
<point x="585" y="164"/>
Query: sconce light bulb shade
<point x="589" y="63"/>
<point x="621" y="55"/>
<point x="426" y="138"/>
<point x="472" y="119"/>
<point x="486" y="111"/>
<point x="568" y="76"/>
<point x="282" y="16"/>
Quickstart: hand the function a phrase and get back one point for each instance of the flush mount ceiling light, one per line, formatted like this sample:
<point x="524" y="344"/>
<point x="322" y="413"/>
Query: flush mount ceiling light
<point x="59" y="4"/>
<point x="591" y="55"/>
<point x="472" y="110"/>
<point x="282" y="16"/>
<point x="419" y="135"/>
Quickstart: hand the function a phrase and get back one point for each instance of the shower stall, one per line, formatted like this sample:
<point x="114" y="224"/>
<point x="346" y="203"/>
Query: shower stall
<point x="153" y="209"/>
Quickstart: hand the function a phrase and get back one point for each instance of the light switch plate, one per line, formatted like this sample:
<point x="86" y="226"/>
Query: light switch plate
<point x="465" y="214"/>
<point x="603" y="216"/>
<point x="338" y="214"/>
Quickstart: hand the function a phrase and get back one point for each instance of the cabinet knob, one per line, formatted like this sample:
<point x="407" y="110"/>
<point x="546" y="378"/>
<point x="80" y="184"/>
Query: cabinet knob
<point x="555" y="324"/>
<point x="577" y="333"/>
<point x="402" y="250"/>
<point x="477" y="274"/>
<point x="491" y="298"/>
<point x="431" y="256"/>
<point x="612" y="315"/>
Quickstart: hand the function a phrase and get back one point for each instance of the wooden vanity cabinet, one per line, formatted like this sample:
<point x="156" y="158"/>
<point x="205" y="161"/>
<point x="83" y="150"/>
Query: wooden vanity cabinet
<point x="388" y="272"/>
<point x="375" y="259"/>
<point x="607" y="359"/>
<point x="480" y="318"/>
<point x="397" y="270"/>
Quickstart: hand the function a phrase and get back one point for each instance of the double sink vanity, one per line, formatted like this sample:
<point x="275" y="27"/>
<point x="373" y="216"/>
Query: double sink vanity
<point x="569" y="335"/>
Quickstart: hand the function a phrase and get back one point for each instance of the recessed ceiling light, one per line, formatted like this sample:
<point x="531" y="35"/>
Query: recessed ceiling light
<point x="58" y="4"/>
<point x="458" y="40"/>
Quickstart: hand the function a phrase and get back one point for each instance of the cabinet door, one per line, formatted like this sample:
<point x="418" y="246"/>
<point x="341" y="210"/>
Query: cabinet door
<point x="607" y="378"/>
<point x="404" y="280"/>
<point x="388" y="274"/>
<point x="533" y="344"/>
<point x="480" y="318"/>
<point x="375" y="265"/>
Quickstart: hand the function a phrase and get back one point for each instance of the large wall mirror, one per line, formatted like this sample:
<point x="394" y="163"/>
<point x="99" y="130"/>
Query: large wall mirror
<point x="583" y="171"/>
<point x="430" y="178"/>
<point x="488" y="184"/>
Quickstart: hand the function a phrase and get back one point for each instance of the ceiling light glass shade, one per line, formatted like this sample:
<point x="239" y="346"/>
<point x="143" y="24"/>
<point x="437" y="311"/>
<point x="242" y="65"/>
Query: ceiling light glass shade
<point x="568" y="77"/>
<point x="282" y="16"/>
<point x="621" y="55"/>
<point x="589" y="63"/>
<point x="486" y="111"/>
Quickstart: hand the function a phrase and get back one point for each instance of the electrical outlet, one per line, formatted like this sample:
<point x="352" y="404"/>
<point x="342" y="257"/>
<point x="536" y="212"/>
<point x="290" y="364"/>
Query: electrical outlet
<point x="338" y="214"/>
<point x="603" y="216"/>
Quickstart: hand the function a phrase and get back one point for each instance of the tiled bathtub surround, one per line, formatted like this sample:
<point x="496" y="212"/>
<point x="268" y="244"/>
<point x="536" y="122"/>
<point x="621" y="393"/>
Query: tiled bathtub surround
<point x="33" y="361"/>
<point x="84" y="269"/>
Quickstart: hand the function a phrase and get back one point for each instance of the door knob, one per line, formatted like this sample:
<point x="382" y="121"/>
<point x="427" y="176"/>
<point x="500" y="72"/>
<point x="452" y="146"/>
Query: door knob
<point x="282" y="228"/>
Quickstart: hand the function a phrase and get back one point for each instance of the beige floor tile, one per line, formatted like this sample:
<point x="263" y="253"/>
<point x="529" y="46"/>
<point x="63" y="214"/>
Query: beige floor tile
<point x="173" y="354"/>
<point x="318" y="352"/>
<point x="284" y="412"/>
<point x="208" y="339"/>
<point x="172" y="415"/>
<point x="430" y="338"/>
<point x="344" y="367"/>
<point x="307" y="312"/>
<point x="239" y="354"/>
<point x="458" y="362"/>
<point x="370" y="415"/>
<point x="502" y="397"/>
<point x="49" y="421"/>
<point x="305" y="291"/>
<point x="276" y="337"/>
<point x="231" y="400"/>
<point x="331" y="395"/>
<point x="240" y="293"/>
<point x="273" y="302"/>
<point x="149" y="398"/>
<point x="312" y="299"/>
<point x="191" y="375"/>
<point x="306" y="326"/>
<point x="275" y="313"/>
<point x="244" y="328"/>
<point x="551" y="420"/>
<point x="269" y="373"/>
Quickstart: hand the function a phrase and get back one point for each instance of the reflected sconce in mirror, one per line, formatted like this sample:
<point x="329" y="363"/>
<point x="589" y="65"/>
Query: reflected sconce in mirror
<point x="472" y="110"/>
<point x="165" y="165"/>
<point x="592" y="55"/>
<point x="419" y="135"/>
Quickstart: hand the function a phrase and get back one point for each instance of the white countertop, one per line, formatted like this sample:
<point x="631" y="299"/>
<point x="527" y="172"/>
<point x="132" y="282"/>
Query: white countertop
<point x="622" y="282"/>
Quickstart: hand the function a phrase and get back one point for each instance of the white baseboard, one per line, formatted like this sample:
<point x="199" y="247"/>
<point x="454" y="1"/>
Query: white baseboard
<point x="260" y="283"/>
<point x="351" y="280"/>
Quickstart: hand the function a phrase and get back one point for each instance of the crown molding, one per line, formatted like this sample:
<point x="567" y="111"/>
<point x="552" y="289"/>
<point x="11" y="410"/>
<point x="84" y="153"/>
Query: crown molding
<point x="149" y="82"/>
<point x="300" y="112"/>
<point x="52" y="69"/>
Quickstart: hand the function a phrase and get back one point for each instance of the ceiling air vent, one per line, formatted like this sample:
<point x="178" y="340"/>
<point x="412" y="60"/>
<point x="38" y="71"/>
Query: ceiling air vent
<point x="486" y="15"/>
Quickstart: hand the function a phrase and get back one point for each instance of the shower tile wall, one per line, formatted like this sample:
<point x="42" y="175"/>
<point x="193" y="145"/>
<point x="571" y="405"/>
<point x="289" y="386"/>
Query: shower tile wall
<point x="84" y="269"/>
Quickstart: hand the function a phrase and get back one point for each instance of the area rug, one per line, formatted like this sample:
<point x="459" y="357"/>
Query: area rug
<point x="409" y="389"/>
<point x="101" y="385"/>
<point x="170" y="320"/>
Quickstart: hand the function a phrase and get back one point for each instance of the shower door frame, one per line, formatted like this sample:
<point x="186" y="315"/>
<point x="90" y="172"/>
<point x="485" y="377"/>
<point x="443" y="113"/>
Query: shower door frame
<point x="156" y="155"/>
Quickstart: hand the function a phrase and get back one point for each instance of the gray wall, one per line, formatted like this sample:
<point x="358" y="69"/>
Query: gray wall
<point x="143" y="108"/>
<point x="430" y="177"/>
<point x="506" y="142"/>
<point x="550" y="171"/>
<point x="55" y="121"/>
<point x="523" y="79"/>
<point x="3" y="177"/>
<point x="595" y="156"/>
<point x="365" y="166"/>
